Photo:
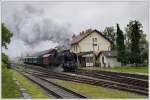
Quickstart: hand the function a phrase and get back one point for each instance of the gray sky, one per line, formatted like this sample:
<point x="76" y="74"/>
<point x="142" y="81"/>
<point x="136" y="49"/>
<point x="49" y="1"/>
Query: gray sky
<point x="42" y="25"/>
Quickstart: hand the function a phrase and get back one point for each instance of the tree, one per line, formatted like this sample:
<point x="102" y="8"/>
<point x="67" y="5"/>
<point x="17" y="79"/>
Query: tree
<point x="135" y="41"/>
<point x="144" y="56"/>
<point x="6" y="36"/>
<point x="140" y="42"/>
<point x="110" y="34"/>
<point x="143" y="39"/>
<point x="128" y="33"/>
<point x="121" y="47"/>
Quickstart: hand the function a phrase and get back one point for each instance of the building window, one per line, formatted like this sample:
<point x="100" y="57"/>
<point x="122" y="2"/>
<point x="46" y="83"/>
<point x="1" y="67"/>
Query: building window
<point x="94" y="44"/>
<point x="94" y="39"/>
<point x="76" y="48"/>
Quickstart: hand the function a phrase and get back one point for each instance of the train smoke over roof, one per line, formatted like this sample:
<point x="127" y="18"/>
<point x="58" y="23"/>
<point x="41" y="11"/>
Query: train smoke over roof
<point x="32" y="26"/>
<point x="39" y="26"/>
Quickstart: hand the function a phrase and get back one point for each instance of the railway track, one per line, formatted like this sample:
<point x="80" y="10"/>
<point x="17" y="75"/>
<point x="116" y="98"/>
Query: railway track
<point x="54" y="89"/>
<point x="103" y="83"/>
<point x="99" y="82"/>
<point x="116" y="77"/>
<point x="133" y="76"/>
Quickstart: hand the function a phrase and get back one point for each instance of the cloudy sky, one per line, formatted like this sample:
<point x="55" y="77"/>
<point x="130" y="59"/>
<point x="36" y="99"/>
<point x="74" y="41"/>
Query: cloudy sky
<point x="42" y="25"/>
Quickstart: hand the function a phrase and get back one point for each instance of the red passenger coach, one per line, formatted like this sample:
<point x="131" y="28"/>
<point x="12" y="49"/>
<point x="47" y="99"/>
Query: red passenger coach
<point x="46" y="59"/>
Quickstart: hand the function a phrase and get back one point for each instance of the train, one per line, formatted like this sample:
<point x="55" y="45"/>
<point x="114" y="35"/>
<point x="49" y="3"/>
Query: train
<point x="54" y="58"/>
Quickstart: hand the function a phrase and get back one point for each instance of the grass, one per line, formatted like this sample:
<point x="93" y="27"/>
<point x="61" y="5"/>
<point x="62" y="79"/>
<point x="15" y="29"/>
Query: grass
<point x="95" y="92"/>
<point x="141" y="70"/>
<point x="133" y="69"/>
<point x="9" y="87"/>
<point x="32" y="89"/>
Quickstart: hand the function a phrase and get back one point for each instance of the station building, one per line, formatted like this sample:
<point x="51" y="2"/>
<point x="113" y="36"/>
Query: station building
<point x="90" y="47"/>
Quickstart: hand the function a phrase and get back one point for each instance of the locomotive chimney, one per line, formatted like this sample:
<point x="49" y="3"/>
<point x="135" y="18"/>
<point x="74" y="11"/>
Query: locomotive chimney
<point x="74" y="36"/>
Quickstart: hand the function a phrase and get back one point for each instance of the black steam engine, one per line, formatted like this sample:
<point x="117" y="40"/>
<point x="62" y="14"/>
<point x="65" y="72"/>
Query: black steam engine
<point x="52" y="58"/>
<point x="68" y="61"/>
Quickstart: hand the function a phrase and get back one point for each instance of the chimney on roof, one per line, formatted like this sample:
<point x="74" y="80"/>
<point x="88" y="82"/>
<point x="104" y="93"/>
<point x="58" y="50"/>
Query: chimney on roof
<point x="81" y="33"/>
<point x="89" y="30"/>
<point x="74" y="36"/>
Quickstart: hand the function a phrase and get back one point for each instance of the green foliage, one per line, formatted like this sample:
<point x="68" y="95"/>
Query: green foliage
<point x="131" y="69"/>
<point x="144" y="56"/>
<point x="143" y="69"/>
<point x="129" y="31"/>
<point x="135" y="39"/>
<point x="6" y="36"/>
<point x="97" y="92"/>
<point x="31" y="88"/>
<point x="9" y="88"/>
<point x="143" y="39"/>
<point x="97" y="63"/>
<point x="5" y="59"/>
<point x="120" y="46"/>
<point x="109" y="32"/>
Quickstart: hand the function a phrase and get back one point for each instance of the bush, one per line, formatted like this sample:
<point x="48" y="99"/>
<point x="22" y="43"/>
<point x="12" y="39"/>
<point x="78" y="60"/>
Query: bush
<point x="144" y="56"/>
<point x="9" y="87"/>
<point x="5" y="60"/>
<point x="97" y="64"/>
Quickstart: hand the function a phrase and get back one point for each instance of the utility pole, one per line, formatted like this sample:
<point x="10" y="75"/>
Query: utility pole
<point x="93" y="53"/>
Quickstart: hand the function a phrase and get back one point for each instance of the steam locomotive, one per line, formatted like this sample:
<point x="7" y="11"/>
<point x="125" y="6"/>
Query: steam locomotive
<point x="66" y="59"/>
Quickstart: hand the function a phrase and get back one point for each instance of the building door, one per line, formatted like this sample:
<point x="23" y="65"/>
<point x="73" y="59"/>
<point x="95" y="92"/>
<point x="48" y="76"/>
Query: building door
<point x="89" y="61"/>
<point x="82" y="61"/>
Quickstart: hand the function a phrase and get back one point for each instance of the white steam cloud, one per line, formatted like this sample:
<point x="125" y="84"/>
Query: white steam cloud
<point x="32" y="26"/>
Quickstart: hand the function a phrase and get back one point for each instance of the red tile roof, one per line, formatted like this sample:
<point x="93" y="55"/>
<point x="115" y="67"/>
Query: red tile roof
<point x="81" y="36"/>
